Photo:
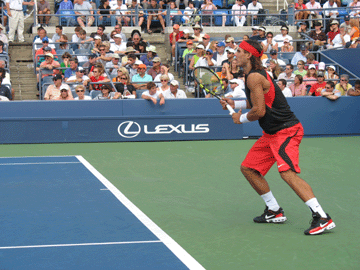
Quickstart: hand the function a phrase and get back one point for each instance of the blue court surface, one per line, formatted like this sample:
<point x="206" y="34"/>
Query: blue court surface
<point x="61" y="213"/>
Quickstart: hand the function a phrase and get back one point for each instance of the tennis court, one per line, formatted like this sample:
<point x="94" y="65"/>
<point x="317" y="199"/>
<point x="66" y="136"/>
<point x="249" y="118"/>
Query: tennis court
<point x="194" y="192"/>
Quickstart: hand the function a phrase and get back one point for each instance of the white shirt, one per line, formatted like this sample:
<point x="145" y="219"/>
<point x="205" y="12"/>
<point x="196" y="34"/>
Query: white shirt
<point x="327" y="12"/>
<point x="279" y="39"/>
<point x="267" y="60"/>
<point x="179" y="94"/>
<point x="85" y="98"/>
<point x="251" y="8"/>
<point x="157" y="79"/>
<point x="114" y="6"/>
<point x="270" y="47"/>
<point x="238" y="10"/>
<point x="315" y="6"/>
<point x="237" y="93"/>
<point x="72" y="78"/>
<point x="338" y="41"/>
<point x="220" y="58"/>
<point x="15" y="4"/>
<point x="287" y="92"/>
<point x="121" y="48"/>
<point x="147" y="93"/>
<point x="38" y="43"/>
<point x="283" y="76"/>
<point x="202" y="62"/>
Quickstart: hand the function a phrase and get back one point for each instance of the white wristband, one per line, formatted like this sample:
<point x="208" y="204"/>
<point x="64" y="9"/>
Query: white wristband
<point x="240" y="104"/>
<point x="243" y="118"/>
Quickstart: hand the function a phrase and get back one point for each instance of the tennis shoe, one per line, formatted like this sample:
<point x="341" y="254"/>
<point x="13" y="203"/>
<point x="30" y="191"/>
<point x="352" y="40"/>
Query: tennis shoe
<point x="320" y="224"/>
<point x="270" y="216"/>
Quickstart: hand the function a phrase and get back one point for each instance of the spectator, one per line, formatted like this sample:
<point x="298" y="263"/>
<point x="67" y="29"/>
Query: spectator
<point x="58" y="34"/>
<point x="343" y="86"/>
<point x="120" y="71"/>
<point x="141" y="78"/>
<point x="65" y="93"/>
<point x="104" y="57"/>
<point x="285" y="90"/>
<point x="310" y="59"/>
<point x="155" y="69"/>
<point x="136" y="39"/>
<point x="174" y="91"/>
<point x="281" y="37"/>
<point x="260" y="37"/>
<point x="64" y="43"/>
<point x="72" y="69"/>
<point x="253" y="9"/>
<point x="43" y="8"/>
<point x="97" y="77"/>
<point x="189" y="48"/>
<point x="230" y="56"/>
<point x="198" y="36"/>
<point x="76" y="36"/>
<point x="255" y="33"/>
<point x="315" y="9"/>
<point x="100" y="33"/>
<point x="234" y="69"/>
<point x="149" y="57"/>
<point x="206" y="60"/>
<point x="113" y="65"/>
<point x="207" y="9"/>
<point x="89" y="66"/>
<point x="78" y="79"/>
<point x="220" y="55"/>
<point x="301" y="12"/>
<point x="311" y="76"/>
<point x="164" y="70"/>
<point x="269" y="44"/>
<point x="298" y="88"/>
<point x="175" y="14"/>
<point x="125" y="87"/>
<point x="53" y="90"/>
<point x="38" y="40"/>
<point x="340" y="39"/>
<point x="331" y="74"/>
<point x="104" y="12"/>
<point x="49" y="64"/>
<point x="238" y="88"/>
<point x="274" y="56"/>
<point x="200" y="52"/>
<point x="186" y="36"/>
<point x="239" y="13"/>
<point x="330" y="92"/>
<point x="131" y="65"/>
<point x="354" y="91"/>
<point x="300" y="68"/>
<point x="346" y="24"/>
<point x="155" y="12"/>
<point x="174" y="38"/>
<point x="118" y="29"/>
<point x="132" y="9"/>
<point x="84" y="11"/>
<point x="225" y="72"/>
<point x="318" y="36"/>
<point x="288" y="75"/>
<point x="164" y="83"/>
<point x="6" y="78"/>
<point x="119" y="47"/>
<point x="16" y="18"/>
<point x="119" y="11"/>
<point x="189" y="10"/>
<point x="274" y="69"/>
<point x="3" y="37"/>
<point x="45" y="44"/>
<point x="354" y="32"/>
<point x="152" y="95"/>
<point x="287" y="47"/>
<point x="334" y="30"/>
<point x="330" y="13"/>
<point x="303" y="28"/>
<point x="80" y="91"/>
<point x="4" y="90"/>
<point x="107" y="93"/>
<point x="66" y="9"/>
<point x="355" y="10"/>
<point x="319" y="85"/>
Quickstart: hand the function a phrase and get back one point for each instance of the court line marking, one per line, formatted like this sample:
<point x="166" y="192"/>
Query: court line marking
<point x="38" y="156"/>
<point x="179" y="252"/>
<point x="82" y="244"/>
<point x="40" y="163"/>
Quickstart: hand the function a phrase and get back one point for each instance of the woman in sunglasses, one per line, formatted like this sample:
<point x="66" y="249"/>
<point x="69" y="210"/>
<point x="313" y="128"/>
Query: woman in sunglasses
<point x="80" y="91"/>
<point x="124" y="86"/>
<point x="164" y="83"/>
<point x="65" y="63"/>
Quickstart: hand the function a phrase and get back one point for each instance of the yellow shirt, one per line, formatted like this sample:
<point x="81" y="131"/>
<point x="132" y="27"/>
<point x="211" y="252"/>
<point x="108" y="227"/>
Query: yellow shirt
<point x="341" y="89"/>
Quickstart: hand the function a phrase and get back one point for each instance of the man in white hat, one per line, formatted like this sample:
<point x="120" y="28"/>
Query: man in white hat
<point x="78" y="79"/>
<point x="238" y="87"/>
<point x="16" y="18"/>
<point x="279" y="39"/>
<point x="118" y="47"/>
<point x="174" y="91"/>
<point x="206" y="60"/>
<point x="65" y="93"/>
<point x="3" y="37"/>
<point x="197" y="36"/>
<point x="53" y="90"/>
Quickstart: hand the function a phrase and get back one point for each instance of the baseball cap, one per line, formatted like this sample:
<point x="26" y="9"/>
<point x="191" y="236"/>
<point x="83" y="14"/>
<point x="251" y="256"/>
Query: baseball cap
<point x="186" y="31"/>
<point x="49" y="54"/>
<point x="176" y="26"/>
<point x="174" y="82"/>
<point x="332" y="67"/>
<point x="303" y="47"/>
<point x="255" y="28"/>
<point x="117" y="36"/>
<point x="157" y="59"/>
<point x="138" y="62"/>
<point x="347" y="18"/>
<point x="302" y="22"/>
<point x="234" y="81"/>
<point x="230" y="50"/>
<point x="284" y="28"/>
<point x="273" y="51"/>
<point x="200" y="46"/>
<point x="229" y="39"/>
<point x="80" y="69"/>
<point x="45" y="39"/>
<point x="189" y="42"/>
<point x="321" y="66"/>
<point x="47" y="48"/>
<point x="210" y="51"/>
<point x="334" y="22"/>
<point x="57" y="77"/>
<point x="221" y="44"/>
<point x="97" y="37"/>
<point x="320" y="74"/>
<point x="262" y="28"/>
<point x="115" y="55"/>
<point x="206" y="36"/>
<point x="312" y="66"/>
<point x="142" y="66"/>
<point x="64" y="86"/>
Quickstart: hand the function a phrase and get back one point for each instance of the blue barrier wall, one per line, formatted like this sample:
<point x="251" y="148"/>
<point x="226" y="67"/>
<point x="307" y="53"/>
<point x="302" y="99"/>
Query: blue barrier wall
<point x="141" y="120"/>
<point x="348" y="58"/>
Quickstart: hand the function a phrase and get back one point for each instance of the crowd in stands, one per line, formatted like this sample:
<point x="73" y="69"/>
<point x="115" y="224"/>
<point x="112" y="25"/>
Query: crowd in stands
<point x="111" y="66"/>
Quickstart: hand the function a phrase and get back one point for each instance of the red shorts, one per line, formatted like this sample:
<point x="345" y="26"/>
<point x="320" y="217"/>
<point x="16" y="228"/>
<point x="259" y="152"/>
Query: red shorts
<point x="281" y="147"/>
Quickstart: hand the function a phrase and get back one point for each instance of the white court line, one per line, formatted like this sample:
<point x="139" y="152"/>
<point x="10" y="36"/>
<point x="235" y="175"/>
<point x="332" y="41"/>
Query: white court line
<point x="39" y="156"/>
<point x="181" y="253"/>
<point x="39" y="163"/>
<point x="83" y="244"/>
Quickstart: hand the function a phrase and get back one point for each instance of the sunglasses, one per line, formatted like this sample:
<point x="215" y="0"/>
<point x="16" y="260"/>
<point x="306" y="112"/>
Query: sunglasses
<point x="63" y="90"/>
<point x="208" y="53"/>
<point x="343" y="80"/>
<point x="328" y="87"/>
<point x="77" y="91"/>
<point x="102" y="50"/>
<point x="163" y="80"/>
<point x="81" y="71"/>
<point x="123" y="78"/>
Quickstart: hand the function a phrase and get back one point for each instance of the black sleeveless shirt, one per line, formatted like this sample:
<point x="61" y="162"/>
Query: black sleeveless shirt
<point x="278" y="115"/>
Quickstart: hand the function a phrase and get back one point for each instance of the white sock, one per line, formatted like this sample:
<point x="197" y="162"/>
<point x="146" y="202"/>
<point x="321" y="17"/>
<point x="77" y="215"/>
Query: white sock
<point x="316" y="207"/>
<point x="270" y="201"/>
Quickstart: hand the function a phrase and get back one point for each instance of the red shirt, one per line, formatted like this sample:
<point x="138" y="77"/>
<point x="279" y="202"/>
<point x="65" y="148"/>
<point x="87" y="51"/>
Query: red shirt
<point x="97" y="86"/>
<point x="317" y="87"/>
<point x="177" y="37"/>
<point x="332" y="34"/>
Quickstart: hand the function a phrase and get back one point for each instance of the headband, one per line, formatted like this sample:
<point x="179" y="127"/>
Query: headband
<point x="247" y="47"/>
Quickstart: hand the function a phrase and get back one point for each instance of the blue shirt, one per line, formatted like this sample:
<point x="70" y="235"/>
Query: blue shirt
<point x="138" y="78"/>
<point x="297" y="57"/>
<point x="69" y="72"/>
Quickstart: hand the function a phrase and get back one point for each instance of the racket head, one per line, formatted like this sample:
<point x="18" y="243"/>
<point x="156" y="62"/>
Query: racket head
<point x="209" y="81"/>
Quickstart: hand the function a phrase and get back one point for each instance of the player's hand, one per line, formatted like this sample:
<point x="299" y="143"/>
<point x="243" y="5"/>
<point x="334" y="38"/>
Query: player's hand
<point x="236" y="117"/>
<point x="226" y="101"/>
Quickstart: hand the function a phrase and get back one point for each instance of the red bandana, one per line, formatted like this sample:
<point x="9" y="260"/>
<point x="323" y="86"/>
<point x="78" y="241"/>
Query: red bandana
<point x="247" y="47"/>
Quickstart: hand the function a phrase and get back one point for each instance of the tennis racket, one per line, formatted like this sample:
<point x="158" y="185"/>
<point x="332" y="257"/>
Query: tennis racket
<point x="211" y="83"/>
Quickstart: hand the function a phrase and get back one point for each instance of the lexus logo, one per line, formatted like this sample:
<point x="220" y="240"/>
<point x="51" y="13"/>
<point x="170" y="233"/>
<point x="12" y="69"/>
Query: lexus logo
<point x="129" y="129"/>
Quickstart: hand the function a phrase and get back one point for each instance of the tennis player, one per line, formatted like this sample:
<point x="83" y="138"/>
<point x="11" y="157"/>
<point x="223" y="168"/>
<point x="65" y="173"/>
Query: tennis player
<point x="282" y="134"/>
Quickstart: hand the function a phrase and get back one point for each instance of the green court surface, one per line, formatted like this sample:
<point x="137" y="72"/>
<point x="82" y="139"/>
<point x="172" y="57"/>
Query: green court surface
<point x="195" y="192"/>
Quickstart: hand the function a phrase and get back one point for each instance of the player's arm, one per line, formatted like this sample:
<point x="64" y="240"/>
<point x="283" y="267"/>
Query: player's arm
<point x="257" y="85"/>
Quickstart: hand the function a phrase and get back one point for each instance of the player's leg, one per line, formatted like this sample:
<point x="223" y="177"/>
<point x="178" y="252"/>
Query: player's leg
<point x="256" y="164"/>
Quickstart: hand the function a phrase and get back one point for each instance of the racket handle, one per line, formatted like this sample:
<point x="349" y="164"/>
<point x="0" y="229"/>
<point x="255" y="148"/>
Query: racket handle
<point x="231" y="110"/>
